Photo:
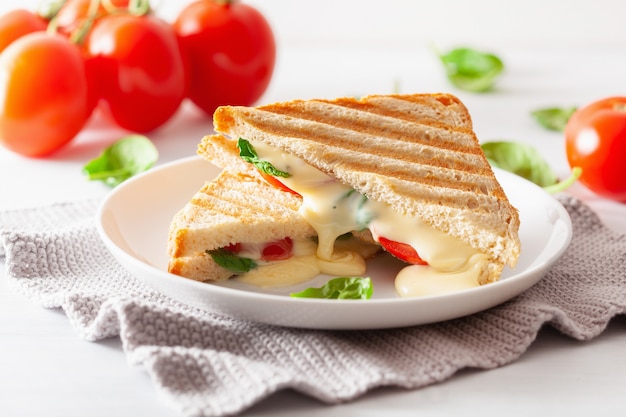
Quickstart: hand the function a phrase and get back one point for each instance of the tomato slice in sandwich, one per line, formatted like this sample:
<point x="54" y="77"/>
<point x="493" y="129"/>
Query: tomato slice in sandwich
<point x="277" y="250"/>
<point x="276" y="183"/>
<point x="402" y="251"/>
<point x="234" y="248"/>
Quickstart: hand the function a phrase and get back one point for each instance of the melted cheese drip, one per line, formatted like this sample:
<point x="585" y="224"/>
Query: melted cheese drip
<point x="420" y="280"/>
<point x="333" y="208"/>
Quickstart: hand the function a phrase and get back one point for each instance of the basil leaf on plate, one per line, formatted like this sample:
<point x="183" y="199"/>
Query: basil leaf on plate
<point x="121" y="160"/>
<point x="342" y="288"/>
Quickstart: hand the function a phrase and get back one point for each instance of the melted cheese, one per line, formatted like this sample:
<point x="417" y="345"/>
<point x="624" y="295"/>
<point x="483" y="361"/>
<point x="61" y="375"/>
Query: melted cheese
<point x="420" y="280"/>
<point x="333" y="208"/>
<point x="306" y="263"/>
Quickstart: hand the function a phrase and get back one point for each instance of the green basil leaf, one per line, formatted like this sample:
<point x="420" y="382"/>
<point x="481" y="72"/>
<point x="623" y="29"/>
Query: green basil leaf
<point x="472" y="70"/>
<point x="554" y="118"/>
<point x="228" y="260"/>
<point x="342" y="288"/>
<point x="248" y="154"/>
<point x="126" y="157"/>
<point x="521" y="159"/>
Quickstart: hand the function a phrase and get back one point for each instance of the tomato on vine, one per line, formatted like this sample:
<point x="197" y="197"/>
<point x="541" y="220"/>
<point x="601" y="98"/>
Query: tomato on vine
<point x="17" y="23"/>
<point x="42" y="106"/>
<point x="230" y="51"/>
<point x="139" y="67"/>
<point x="595" y="140"/>
<point x="76" y="15"/>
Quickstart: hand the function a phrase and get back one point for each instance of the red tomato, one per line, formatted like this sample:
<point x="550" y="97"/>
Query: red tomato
<point x="139" y="68"/>
<point x="74" y="13"/>
<point x="17" y="23"/>
<point x="42" y="106"/>
<point x="277" y="250"/>
<point x="234" y="248"/>
<point x="595" y="140"/>
<point x="231" y="52"/>
<point x="402" y="251"/>
<point x="277" y="183"/>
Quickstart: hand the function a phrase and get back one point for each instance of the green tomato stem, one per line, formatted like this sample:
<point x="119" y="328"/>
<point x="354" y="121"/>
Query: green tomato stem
<point x="139" y="7"/>
<point x="49" y="9"/>
<point x="80" y="34"/>
<point x="135" y="7"/>
<point x="565" y="184"/>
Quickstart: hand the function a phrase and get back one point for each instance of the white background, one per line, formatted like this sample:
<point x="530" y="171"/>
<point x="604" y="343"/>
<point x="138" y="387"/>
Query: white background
<point x="410" y="22"/>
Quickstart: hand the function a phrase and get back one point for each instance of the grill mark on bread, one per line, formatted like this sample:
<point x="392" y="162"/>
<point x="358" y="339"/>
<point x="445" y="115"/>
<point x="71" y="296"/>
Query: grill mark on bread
<point x="465" y="159"/>
<point x="361" y="124"/>
<point x="233" y="201"/>
<point x="422" y="175"/>
<point x="417" y="109"/>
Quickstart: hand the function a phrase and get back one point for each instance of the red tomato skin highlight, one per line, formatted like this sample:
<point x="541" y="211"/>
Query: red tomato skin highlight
<point x="17" y="23"/>
<point x="595" y="140"/>
<point x="42" y="106"/>
<point x="139" y="69"/>
<point x="230" y="51"/>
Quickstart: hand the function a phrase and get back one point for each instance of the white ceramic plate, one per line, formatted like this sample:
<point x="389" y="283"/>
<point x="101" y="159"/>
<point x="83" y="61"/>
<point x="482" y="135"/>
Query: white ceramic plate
<point x="134" y="219"/>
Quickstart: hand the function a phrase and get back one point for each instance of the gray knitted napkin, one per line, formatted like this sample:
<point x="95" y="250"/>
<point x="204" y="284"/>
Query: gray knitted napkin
<point x="208" y="365"/>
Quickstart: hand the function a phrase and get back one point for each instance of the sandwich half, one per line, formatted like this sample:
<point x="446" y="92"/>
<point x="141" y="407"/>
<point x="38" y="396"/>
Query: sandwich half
<point x="404" y="171"/>
<point x="239" y="225"/>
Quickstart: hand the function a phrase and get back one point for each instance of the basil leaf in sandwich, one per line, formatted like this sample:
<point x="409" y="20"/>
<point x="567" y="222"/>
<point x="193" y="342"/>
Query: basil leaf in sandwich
<point x="248" y="154"/>
<point x="228" y="260"/>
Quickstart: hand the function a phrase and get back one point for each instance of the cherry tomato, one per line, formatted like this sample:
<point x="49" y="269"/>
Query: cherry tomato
<point x="231" y="52"/>
<point x="42" y="106"/>
<point x="595" y="140"/>
<point x="17" y="23"/>
<point x="139" y="67"/>
<point x="277" y="250"/>
<point x="402" y="251"/>
<point x="74" y="13"/>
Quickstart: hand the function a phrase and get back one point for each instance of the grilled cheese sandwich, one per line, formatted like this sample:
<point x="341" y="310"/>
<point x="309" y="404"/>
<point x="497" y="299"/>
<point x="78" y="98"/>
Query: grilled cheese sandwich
<point x="406" y="171"/>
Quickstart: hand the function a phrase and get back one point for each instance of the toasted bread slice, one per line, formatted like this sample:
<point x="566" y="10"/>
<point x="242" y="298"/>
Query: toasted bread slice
<point x="417" y="153"/>
<point x="232" y="208"/>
